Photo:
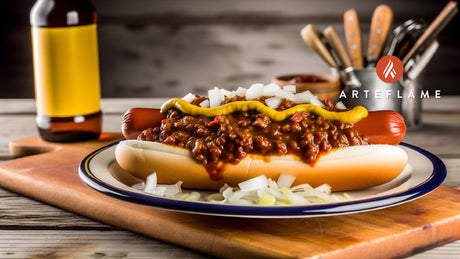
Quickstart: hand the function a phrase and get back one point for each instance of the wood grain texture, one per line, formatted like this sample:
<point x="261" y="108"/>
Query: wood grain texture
<point x="338" y="47"/>
<point x="89" y="244"/>
<point x="382" y="20"/>
<point x="352" y="31"/>
<point x="28" y="214"/>
<point x="427" y="222"/>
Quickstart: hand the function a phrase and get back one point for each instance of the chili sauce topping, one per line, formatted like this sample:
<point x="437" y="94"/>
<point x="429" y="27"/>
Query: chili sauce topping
<point x="222" y="134"/>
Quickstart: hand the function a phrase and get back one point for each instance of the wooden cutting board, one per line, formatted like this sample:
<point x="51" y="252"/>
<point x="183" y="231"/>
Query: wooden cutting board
<point x="49" y="173"/>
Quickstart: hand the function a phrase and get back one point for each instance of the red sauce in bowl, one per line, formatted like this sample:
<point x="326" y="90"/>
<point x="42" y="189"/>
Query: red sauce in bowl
<point x="306" y="79"/>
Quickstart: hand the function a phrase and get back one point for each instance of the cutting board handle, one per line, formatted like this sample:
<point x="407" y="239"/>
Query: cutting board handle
<point x="36" y="145"/>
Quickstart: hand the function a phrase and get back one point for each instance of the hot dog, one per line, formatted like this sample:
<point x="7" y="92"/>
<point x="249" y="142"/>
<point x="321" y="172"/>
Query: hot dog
<point x="380" y="127"/>
<point x="135" y="120"/>
<point x="239" y="139"/>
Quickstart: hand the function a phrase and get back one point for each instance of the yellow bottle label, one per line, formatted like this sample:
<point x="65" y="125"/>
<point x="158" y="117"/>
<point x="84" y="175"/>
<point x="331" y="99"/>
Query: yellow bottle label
<point x="66" y="66"/>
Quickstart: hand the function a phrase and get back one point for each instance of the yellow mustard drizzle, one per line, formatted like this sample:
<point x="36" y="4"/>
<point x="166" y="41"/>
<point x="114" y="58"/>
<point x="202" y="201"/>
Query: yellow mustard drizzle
<point x="351" y="116"/>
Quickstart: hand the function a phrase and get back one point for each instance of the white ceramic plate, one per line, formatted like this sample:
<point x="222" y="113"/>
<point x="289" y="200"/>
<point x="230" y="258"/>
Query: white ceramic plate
<point x="422" y="175"/>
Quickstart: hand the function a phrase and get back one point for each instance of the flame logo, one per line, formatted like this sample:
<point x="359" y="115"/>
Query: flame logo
<point x="389" y="69"/>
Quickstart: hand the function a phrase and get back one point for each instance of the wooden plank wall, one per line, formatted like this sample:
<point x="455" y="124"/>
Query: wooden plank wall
<point x="171" y="47"/>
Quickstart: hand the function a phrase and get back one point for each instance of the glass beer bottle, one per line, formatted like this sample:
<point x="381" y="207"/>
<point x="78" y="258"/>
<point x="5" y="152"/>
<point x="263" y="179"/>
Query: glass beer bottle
<point x="66" y="70"/>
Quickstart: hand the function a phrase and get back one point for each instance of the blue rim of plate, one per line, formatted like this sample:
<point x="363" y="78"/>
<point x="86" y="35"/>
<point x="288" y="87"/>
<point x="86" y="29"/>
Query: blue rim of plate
<point x="435" y="179"/>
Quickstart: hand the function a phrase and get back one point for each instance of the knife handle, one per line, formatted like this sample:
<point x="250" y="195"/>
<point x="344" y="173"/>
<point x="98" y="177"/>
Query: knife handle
<point x="380" y="28"/>
<point x="337" y="46"/>
<point x="313" y="38"/>
<point x="432" y="31"/>
<point x="353" y="37"/>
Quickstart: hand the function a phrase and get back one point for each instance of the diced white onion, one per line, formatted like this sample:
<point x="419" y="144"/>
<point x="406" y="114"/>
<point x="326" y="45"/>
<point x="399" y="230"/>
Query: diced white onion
<point x="172" y="190"/>
<point x="315" y="101"/>
<point x="325" y="188"/>
<point x="224" y="187"/>
<point x="259" y="190"/>
<point x="139" y="186"/>
<point x="152" y="187"/>
<point x="205" y="103"/>
<point x="267" y="200"/>
<point x="340" y="105"/>
<point x="301" y="187"/>
<point x="232" y="94"/>
<point x="273" y="102"/>
<point x="253" y="183"/>
<point x="297" y="199"/>
<point x="189" y="97"/>
<point x="290" y="88"/>
<point x="241" y="91"/>
<point x="237" y="195"/>
<point x="294" y="198"/>
<point x="270" y="89"/>
<point x="283" y="94"/>
<point x="227" y="192"/>
<point x="150" y="183"/>
<point x="303" y="97"/>
<point x="285" y="180"/>
<point x="272" y="184"/>
<point x="277" y="194"/>
<point x="193" y="196"/>
<point x="255" y="91"/>
<point x="214" y="97"/>
<point x="225" y="93"/>
<point x="215" y="198"/>
<point x="158" y="190"/>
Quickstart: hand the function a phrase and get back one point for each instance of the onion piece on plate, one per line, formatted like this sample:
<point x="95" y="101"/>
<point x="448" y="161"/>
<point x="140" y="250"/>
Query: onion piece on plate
<point x="285" y="180"/>
<point x="169" y="191"/>
<point x="254" y="183"/>
<point x="259" y="190"/>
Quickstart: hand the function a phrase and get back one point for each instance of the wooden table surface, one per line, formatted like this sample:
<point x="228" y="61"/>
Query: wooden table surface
<point x="31" y="229"/>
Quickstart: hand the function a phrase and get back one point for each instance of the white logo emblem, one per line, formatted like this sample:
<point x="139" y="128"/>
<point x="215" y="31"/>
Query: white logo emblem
<point x="389" y="70"/>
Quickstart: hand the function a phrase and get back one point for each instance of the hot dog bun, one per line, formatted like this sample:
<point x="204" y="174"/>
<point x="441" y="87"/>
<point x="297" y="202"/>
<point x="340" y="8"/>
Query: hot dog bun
<point x="349" y="168"/>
